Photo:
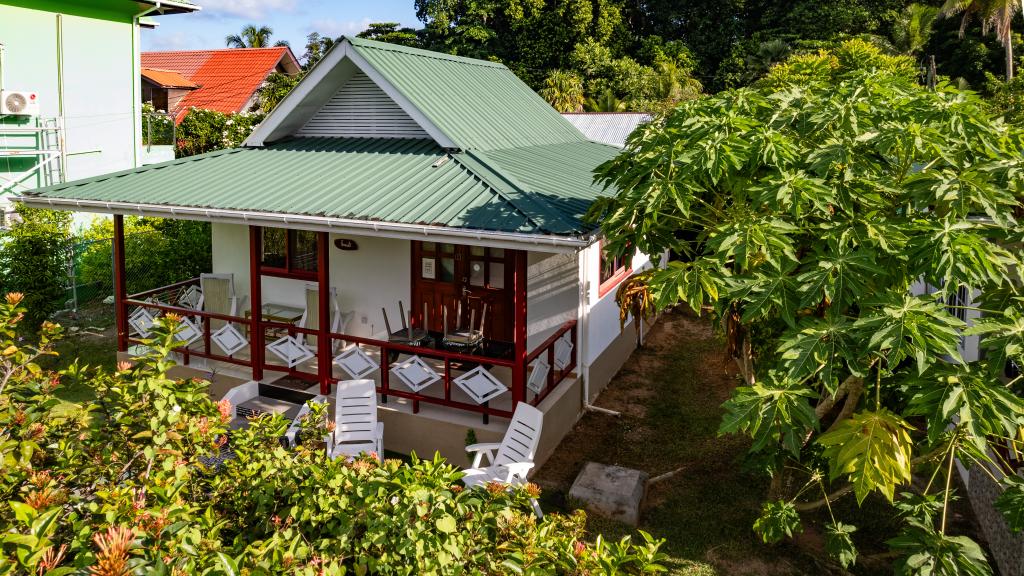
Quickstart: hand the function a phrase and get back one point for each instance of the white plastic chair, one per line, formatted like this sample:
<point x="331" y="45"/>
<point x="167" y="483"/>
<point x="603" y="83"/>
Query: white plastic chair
<point x="510" y="461"/>
<point x="296" y="426"/>
<point x="218" y="296"/>
<point x="355" y="417"/>
<point x="294" y="350"/>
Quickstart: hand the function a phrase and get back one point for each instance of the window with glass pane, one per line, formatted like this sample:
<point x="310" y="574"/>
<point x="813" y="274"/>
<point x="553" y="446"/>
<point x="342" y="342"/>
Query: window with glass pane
<point x="275" y="248"/>
<point x="304" y="252"/>
<point x="289" y="252"/>
<point x="610" y="267"/>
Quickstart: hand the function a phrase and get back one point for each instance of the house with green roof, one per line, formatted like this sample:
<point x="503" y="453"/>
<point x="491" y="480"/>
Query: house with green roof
<point x="408" y="216"/>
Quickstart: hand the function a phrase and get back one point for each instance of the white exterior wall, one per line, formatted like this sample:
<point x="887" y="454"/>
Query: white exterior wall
<point x="552" y="294"/>
<point x="602" y="324"/>
<point x="374" y="276"/>
<point x="83" y="65"/>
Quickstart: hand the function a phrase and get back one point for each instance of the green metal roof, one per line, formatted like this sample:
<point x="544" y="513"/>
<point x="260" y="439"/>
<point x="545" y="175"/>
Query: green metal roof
<point x="518" y="166"/>
<point x="478" y="104"/>
<point x="387" y="180"/>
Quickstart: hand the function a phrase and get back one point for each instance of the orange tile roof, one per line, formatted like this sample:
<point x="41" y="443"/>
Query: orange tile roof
<point x="227" y="78"/>
<point x="167" y="78"/>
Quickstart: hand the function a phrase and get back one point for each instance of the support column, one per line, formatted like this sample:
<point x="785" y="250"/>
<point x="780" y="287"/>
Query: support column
<point x="323" y="273"/>
<point x="120" y="288"/>
<point x="519" y="327"/>
<point x="256" y="301"/>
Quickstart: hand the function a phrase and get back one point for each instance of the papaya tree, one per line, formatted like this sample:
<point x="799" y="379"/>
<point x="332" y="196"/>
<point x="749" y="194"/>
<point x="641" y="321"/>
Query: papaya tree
<point x="806" y="219"/>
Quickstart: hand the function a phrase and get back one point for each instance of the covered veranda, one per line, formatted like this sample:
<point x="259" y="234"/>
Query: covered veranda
<point x="415" y="363"/>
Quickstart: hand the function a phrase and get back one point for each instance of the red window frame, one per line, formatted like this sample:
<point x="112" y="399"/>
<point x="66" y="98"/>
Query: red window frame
<point x="621" y="272"/>
<point x="289" y="270"/>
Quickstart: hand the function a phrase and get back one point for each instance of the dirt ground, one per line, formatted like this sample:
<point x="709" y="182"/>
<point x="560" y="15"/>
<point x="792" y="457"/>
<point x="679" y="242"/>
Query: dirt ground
<point x="669" y="395"/>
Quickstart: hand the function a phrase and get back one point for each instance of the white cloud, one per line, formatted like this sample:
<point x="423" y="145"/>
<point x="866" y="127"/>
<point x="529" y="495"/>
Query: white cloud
<point x="246" y="8"/>
<point x="158" y="40"/>
<point x="333" y="28"/>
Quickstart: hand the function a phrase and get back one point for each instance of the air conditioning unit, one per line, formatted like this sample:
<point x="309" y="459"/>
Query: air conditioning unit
<point x="19" y="103"/>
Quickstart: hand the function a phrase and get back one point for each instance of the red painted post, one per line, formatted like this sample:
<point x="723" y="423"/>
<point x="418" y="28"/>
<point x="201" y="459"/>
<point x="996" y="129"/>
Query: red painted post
<point x="519" y="327"/>
<point x="323" y="338"/>
<point x="256" y="302"/>
<point x="120" y="288"/>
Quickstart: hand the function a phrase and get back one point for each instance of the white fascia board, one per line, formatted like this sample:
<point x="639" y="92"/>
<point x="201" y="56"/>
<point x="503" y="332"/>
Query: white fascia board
<point x="490" y="239"/>
<point x="268" y="130"/>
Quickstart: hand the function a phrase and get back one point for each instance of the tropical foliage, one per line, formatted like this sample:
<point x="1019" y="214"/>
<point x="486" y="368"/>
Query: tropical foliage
<point x="253" y="36"/>
<point x="34" y="255"/>
<point x="181" y="247"/>
<point x="807" y="214"/>
<point x="202" y="130"/>
<point x="123" y="485"/>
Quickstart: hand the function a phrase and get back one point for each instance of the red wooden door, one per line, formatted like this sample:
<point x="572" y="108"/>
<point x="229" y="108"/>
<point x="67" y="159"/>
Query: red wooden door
<point x="445" y="275"/>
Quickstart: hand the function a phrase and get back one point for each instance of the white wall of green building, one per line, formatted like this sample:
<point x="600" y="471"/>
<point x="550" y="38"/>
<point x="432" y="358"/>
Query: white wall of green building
<point x="82" y="58"/>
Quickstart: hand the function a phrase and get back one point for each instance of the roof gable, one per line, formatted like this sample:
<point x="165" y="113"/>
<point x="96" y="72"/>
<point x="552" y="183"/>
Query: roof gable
<point x="361" y="109"/>
<point x="461" y="103"/>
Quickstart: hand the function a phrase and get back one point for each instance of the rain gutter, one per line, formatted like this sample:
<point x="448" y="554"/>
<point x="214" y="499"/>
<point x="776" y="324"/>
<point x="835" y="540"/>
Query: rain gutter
<point x="510" y="240"/>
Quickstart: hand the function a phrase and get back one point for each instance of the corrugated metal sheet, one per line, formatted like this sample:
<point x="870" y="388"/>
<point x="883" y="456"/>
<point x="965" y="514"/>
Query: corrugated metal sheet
<point x="478" y="104"/>
<point x="360" y="109"/>
<point x="609" y="128"/>
<point x="539" y="189"/>
<point x="389" y="180"/>
<point x="559" y="176"/>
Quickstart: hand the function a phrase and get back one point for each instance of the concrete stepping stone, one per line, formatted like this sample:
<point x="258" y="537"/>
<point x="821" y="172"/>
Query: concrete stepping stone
<point x="611" y="491"/>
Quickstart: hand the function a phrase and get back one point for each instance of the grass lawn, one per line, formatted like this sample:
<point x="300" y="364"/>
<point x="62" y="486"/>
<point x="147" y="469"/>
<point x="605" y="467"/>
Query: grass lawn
<point x="670" y="395"/>
<point x="89" y="338"/>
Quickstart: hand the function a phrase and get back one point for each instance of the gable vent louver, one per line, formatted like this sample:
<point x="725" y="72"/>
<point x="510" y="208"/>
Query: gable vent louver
<point x="360" y="109"/>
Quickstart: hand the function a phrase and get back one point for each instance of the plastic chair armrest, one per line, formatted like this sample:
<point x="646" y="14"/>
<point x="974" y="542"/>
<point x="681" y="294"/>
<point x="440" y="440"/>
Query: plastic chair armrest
<point x="481" y="450"/>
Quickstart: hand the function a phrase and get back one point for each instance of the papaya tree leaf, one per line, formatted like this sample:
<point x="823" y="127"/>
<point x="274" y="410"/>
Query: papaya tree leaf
<point x="872" y="449"/>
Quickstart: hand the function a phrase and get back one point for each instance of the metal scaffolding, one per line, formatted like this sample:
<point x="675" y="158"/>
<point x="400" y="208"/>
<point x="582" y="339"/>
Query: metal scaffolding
<point x="41" y="144"/>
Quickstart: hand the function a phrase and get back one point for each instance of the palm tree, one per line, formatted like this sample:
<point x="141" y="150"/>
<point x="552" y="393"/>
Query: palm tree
<point x="913" y="28"/>
<point x="606" y="102"/>
<point x="564" y="91"/>
<point x="768" y="53"/>
<point x="253" y="37"/>
<point x="675" y="84"/>
<point x="995" y="15"/>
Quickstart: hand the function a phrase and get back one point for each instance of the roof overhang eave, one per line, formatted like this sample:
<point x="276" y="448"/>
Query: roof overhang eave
<point x="170" y="6"/>
<point x="488" y="238"/>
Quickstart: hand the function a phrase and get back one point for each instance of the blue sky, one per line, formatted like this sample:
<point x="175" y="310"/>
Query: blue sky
<point x="291" y="20"/>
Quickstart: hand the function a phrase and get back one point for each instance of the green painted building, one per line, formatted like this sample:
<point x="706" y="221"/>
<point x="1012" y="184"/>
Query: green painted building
<point x="72" y="67"/>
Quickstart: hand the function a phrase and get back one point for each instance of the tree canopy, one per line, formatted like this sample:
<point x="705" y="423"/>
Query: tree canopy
<point x="807" y="216"/>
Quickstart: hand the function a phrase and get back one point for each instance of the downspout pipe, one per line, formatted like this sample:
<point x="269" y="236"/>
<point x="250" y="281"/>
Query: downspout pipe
<point x="136" y="74"/>
<point x="584" y="330"/>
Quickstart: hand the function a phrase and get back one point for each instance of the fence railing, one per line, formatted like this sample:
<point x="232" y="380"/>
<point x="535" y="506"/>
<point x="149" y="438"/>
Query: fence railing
<point x="166" y="300"/>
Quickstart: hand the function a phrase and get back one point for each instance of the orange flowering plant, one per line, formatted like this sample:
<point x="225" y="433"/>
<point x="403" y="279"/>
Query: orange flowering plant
<point x="126" y="484"/>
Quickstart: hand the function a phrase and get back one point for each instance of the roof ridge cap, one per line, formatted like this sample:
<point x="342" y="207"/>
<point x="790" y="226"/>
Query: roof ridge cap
<point x="421" y="52"/>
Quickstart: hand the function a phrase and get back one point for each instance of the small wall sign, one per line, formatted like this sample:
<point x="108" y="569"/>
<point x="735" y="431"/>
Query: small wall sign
<point x="346" y="244"/>
<point x="427" y="268"/>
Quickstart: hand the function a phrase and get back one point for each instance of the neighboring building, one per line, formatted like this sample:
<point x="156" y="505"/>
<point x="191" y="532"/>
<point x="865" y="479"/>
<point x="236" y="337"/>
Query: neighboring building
<point x="225" y="80"/>
<point x="165" y="89"/>
<point x="76" y="64"/>
<point x="393" y="178"/>
<point x="608" y="127"/>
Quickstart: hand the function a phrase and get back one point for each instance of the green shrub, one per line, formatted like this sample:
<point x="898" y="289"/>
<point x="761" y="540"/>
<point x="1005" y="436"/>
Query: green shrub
<point x="157" y="126"/>
<point x="204" y="131"/>
<point x="34" y="261"/>
<point x="158" y="252"/>
<point x="120" y="485"/>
